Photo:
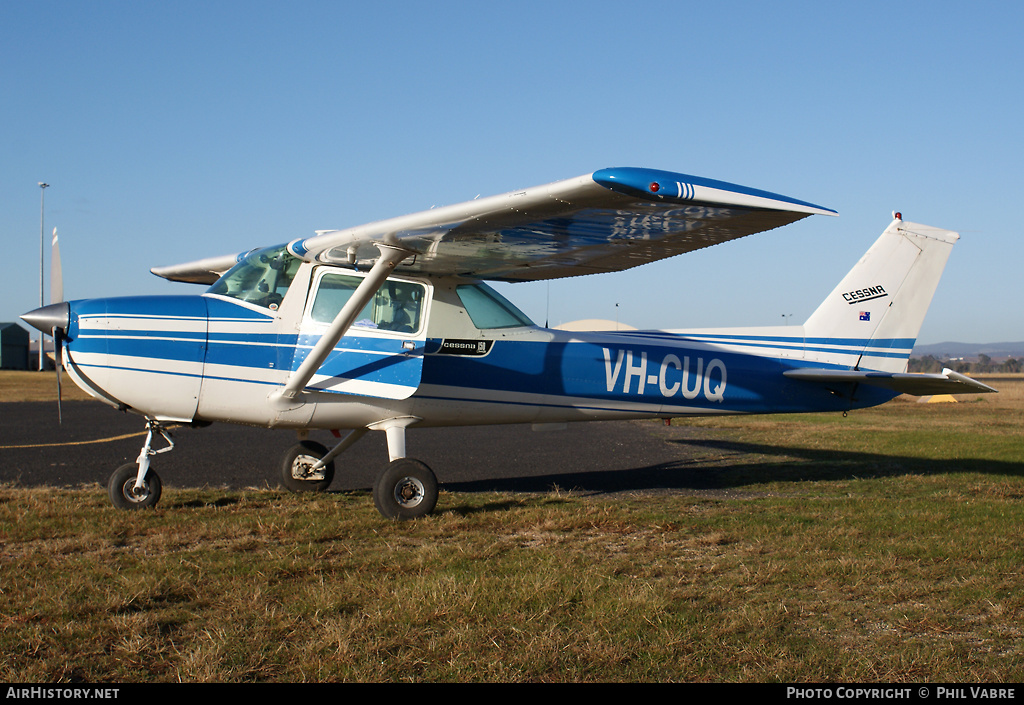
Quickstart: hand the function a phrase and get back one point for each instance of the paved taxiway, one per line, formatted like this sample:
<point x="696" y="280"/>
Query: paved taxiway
<point x="609" y="456"/>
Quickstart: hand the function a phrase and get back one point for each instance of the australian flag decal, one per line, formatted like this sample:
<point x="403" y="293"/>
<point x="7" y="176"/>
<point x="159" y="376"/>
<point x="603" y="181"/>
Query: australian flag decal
<point x="865" y="315"/>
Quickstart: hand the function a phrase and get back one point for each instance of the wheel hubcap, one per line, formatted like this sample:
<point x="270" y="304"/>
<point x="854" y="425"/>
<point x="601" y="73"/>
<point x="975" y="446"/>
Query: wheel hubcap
<point x="135" y="495"/>
<point x="301" y="468"/>
<point x="409" y="492"/>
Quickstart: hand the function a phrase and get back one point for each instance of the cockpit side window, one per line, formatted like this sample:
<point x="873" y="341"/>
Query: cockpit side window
<point x="262" y="278"/>
<point x="489" y="309"/>
<point x="397" y="306"/>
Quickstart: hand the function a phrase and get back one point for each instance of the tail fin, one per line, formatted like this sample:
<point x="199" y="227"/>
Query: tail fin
<point x="872" y="318"/>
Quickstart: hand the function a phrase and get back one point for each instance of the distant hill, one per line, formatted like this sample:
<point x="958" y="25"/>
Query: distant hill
<point x="951" y="350"/>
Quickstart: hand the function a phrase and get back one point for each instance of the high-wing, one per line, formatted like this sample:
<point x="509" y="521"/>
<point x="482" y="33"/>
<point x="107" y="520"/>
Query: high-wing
<point x="610" y="220"/>
<point x="204" y="271"/>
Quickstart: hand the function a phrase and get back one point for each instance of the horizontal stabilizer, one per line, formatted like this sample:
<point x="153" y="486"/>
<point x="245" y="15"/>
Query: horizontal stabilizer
<point x="917" y="384"/>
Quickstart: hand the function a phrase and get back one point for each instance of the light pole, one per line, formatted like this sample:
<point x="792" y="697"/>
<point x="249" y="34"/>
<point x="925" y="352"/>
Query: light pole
<point x="42" y="193"/>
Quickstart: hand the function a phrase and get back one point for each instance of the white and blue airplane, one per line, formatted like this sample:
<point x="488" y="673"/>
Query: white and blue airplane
<point x="391" y="325"/>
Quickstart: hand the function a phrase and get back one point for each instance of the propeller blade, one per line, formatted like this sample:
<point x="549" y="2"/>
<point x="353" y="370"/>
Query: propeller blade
<point x="58" y="358"/>
<point x="57" y="296"/>
<point x="56" y="276"/>
<point x="53" y="319"/>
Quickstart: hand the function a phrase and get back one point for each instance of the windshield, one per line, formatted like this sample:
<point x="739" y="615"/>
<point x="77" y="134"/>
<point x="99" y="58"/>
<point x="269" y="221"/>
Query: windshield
<point x="262" y="278"/>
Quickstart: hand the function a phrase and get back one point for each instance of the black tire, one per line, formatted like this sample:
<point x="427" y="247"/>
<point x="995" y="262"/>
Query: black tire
<point x="295" y="468"/>
<point x="121" y="488"/>
<point x="406" y="489"/>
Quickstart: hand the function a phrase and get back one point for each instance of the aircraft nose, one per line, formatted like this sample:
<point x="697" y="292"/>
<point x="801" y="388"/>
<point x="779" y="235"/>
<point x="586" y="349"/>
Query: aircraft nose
<point x="48" y="318"/>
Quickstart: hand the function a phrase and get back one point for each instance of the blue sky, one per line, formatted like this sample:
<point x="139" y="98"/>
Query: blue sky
<point x="174" y="131"/>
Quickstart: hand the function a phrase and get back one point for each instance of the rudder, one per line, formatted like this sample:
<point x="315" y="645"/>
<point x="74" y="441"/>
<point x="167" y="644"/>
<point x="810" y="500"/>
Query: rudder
<point x="872" y="318"/>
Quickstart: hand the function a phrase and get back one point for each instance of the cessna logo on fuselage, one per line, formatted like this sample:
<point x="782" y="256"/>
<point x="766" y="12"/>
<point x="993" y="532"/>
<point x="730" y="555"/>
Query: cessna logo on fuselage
<point x="472" y="348"/>
<point x="672" y="376"/>
<point x="860" y="295"/>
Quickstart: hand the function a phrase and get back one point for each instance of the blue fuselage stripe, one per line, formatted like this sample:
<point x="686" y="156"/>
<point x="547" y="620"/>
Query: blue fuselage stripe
<point x="644" y="371"/>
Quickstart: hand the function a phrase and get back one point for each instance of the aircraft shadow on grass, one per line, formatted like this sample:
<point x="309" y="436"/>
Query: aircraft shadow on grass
<point x="730" y="465"/>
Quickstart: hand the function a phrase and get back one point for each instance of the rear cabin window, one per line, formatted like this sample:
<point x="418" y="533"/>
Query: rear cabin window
<point x="489" y="309"/>
<point x="397" y="306"/>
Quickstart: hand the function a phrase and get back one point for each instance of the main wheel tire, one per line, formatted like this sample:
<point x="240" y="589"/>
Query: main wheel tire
<point x="296" y="464"/>
<point x="406" y="489"/>
<point x="123" y="494"/>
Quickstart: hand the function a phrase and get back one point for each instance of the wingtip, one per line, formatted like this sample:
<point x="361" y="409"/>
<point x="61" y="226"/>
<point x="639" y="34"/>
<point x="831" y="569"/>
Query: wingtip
<point x="655" y="184"/>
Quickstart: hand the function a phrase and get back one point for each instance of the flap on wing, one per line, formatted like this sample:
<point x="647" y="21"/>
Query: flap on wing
<point x="610" y="220"/>
<point x="917" y="384"/>
<point x="203" y="271"/>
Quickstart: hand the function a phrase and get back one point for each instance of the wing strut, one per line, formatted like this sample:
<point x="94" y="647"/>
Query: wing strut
<point x="289" y="396"/>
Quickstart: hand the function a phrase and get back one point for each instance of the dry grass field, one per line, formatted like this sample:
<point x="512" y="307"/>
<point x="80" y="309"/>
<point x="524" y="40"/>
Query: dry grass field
<point x="880" y="547"/>
<point x="16" y="385"/>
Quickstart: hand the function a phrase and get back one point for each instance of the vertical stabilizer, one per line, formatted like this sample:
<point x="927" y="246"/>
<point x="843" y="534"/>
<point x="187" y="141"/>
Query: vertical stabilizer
<point x="871" y="320"/>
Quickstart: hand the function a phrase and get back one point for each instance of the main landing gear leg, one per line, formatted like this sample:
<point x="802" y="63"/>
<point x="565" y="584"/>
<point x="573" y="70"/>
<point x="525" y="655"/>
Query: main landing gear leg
<point x="407" y="488"/>
<point x="136" y="485"/>
<point x="309" y="467"/>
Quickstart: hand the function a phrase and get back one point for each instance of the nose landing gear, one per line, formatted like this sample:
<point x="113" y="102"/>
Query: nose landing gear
<point x="126" y="494"/>
<point x="135" y="485"/>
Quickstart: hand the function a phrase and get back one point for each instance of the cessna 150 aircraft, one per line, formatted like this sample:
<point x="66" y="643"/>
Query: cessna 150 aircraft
<point x="390" y="325"/>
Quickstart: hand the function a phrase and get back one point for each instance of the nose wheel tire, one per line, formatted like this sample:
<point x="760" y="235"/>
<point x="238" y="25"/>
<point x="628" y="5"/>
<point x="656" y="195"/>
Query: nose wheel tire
<point x="123" y="494"/>
<point x="406" y="489"/>
<point x="297" y="472"/>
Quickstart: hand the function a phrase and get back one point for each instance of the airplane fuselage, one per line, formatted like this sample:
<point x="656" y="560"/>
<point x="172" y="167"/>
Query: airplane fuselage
<point x="212" y="358"/>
